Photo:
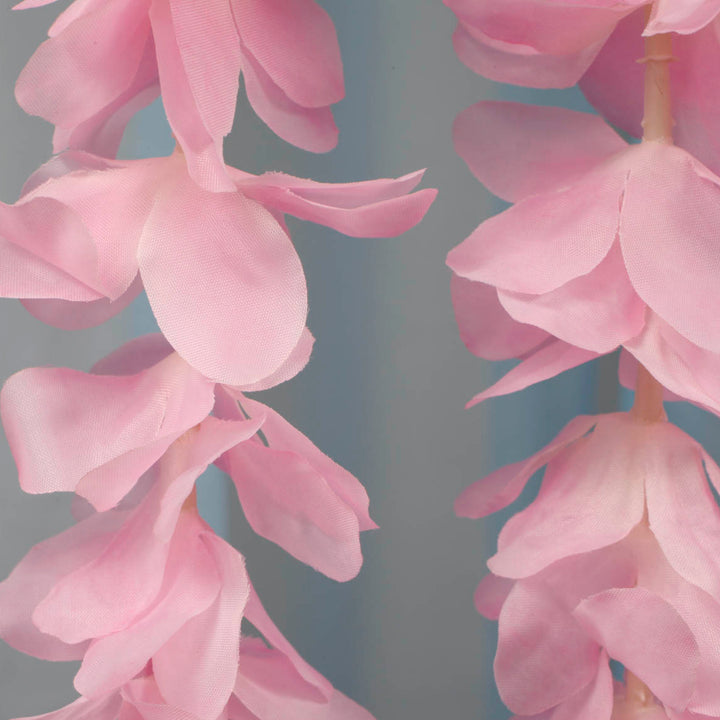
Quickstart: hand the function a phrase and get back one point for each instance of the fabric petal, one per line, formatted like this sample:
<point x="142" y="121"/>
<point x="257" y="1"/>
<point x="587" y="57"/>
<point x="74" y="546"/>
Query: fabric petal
<point x="243" y="303"/>
<point x="136" y="355"/>
<point x="518" y="150"/>
<point x="685" y="17"/>
<point x="549" y="360"/>
<point x="196" y="669"/>
<point x="648" y="636"/>
<point x="295" y="43"/>
<point x="490" y="594"/>
<point x="504" y="486"/>
<point x="592" y="496"/>
<point x="593" y="702"/>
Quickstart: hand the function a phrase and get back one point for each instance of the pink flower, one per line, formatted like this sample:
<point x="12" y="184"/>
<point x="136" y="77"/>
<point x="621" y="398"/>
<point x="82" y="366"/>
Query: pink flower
<point x="138" y="402"/>
<point x="219" y="269"/>
<point x="545" y="43"/>
<point x="105" y="59"/>
<point x="581" y="264"/>
<point x="614" y="556"/>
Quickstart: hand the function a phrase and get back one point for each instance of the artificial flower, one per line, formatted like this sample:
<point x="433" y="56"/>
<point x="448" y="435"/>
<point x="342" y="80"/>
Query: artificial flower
<point x="138" y="401"/>
<point x="105" y="60"/>
<point x="219" y="269"/>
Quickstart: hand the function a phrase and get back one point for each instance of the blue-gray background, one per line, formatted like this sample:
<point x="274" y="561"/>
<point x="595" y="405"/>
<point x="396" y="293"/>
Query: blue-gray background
<point x="383" y="394"/>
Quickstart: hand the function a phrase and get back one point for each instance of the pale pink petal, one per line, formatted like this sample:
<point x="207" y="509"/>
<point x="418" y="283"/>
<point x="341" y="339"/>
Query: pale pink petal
<point x="68" y="315"/>
<point x="544" y="656"/>
<point x="500" y="488"/>
<point x="283" y="437"/>
<point x="295" y="43"/>
<point x="134" y="356"/>
<point x="683" y="16"/>
<point x="546" y="362"/>
<point x="518" y="150"/>
<point x="485" y="326"/>
<point x="126" y="422"/>
<point x="546" y="240"/>
<point x="196" y="669"/>
<point x="72" y="76"/>
<point x="190" y="585"/>
<point x="295" y="362"/>
<point x="597" y="311"/>
<point x="674" y="246"/>
<point x="255" y="613"/>
<point x="490" y="594"/>
<point x="38" y="572"/>
<point x="310" y="128"/>
<point x="243" y="303"/>
<point x="286" y="500"/>
<point x="346" y="208"/>
<point x="593" y="702"/>
<point x="592" y="496"/>
<point x="682" y="512"/>
<point x="145" y="702"/>
<point x="648" y="636"/>
<point x="202" y="149"/>
<point x="105" y="708"/>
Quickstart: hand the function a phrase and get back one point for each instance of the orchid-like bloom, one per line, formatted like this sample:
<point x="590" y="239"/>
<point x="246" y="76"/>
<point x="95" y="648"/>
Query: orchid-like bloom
<point x="581" y="263"/>
<point x="553" y="43"/>
<point x="219" y="269"/>
<point x="615" y="557"/>
<point x="272" y="681"/>
<point x="106" y="59"/>
<point x="138" y="401"/>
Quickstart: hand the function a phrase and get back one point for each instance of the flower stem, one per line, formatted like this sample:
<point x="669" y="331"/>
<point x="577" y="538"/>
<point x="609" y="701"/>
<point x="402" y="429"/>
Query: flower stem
<point x="637" y="693"/>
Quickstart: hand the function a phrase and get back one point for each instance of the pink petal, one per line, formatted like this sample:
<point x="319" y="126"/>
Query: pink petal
<point x="290" y="503"/>
<point x="68" y="315"/>
<point x="284" y="438"/>
<point x="485" y="326"/>
<point x="686" y="17"/>
<point x="597" y="311"/>
<point x="134" y="356"/>
<point x="72" y="76"/>
<point x="519" y="150"/>
<point x="37" y="573"/>
<point x="546" y="362"/>
<point x="244" y="300"/>
<point x="573" y="229"/>
<point x="203" y="149"/>
<point x="647" y="635"/>
<point x="196" y="669"/>
<point x="146" y="702"/>
<point x="346" y="208"/>
<point x="294" y="41"/>
<point x="675" y="246"/>
<point x="295" y="362"/>
<point x="593" y="702"/>
<point x="124" y="424"/>
<point x="544" y="656"/>
<point x="310" y="128"/>
<point x="190" y="585"/>
<point x="490" y="595"/>
<point x="682" y="512"/>
<point x="592" y="496"/>
<point x="504" y="486"/>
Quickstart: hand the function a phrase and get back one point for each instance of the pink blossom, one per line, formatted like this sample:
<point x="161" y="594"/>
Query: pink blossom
<point x="581" y="263"/>
<point x="546" y="43"/>
<point x="138" y="401"/>
<point x="219" y="269"/>
<point x="615" y="555"/>
<point x="106" y="59"/>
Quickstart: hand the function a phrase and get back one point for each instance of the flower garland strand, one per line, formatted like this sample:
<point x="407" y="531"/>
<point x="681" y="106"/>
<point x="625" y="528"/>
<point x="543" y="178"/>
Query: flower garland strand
<point x="160" y="610"/>
<point x="606" y="246"/>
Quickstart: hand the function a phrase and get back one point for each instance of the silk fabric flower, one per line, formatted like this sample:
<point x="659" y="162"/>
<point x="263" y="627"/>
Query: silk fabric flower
<point x="219" y="269"/>
<point x="550" y="43"/>
<point x="615" y="555"/>
<point x="138" y="402"/>
<point x="105" y="59"/>
<point x="581" y="263"/>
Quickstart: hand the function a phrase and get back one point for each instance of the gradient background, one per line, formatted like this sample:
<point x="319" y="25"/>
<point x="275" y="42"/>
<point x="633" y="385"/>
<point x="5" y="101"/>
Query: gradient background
<point x="383" y="394"/>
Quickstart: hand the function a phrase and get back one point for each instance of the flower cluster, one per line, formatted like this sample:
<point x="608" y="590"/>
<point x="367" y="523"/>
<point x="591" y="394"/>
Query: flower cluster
<point x="607" y="245"/>
<point x="160" y="610"/>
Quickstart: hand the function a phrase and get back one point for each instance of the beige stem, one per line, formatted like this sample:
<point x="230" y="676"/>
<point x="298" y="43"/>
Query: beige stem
<point x="637" y="692"/>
